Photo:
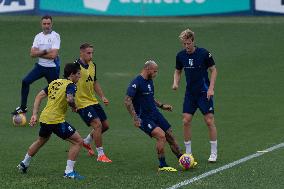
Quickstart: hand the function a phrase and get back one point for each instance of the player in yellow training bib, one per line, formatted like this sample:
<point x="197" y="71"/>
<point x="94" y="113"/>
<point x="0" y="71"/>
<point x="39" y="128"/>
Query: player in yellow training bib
<point x="88" y="106"/>
<point x="60" y="93"/>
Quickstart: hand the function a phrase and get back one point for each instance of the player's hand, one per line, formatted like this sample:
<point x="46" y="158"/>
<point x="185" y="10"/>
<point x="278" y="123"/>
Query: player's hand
<point x="137" y="121"/>
<point x="74" y="109"/>
<point x="175" y="86"/>
<point x="210" y="93"/>
<point x="105" y="100"/>
<point x="33" y="120"/>
<point x="167" y="107"/>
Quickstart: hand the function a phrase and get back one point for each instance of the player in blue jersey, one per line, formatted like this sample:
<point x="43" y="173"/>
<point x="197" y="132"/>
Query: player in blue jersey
<point x="142" y="106"/>
<point x="45" y="47"/>
<point x="199" y="92"/>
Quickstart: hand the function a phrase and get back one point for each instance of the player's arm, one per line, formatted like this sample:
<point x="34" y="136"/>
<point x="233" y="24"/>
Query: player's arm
<point x="100" y="92"/>
<point x="166" y="107"/>
<point x="70" y="96"/>
<point x="129" y="106"/>
<point x="213" y="71"/>
<point x="48" y="54"/>
<point x="39" y="97"/>
<point x="177" y="76"/>
<point x="177" y="73"/>
<point x="71" y="102"/>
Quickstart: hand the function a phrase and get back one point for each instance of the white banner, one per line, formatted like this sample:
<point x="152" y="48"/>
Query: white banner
<point x="276" y="6"/>
<point x="16" y="5"/>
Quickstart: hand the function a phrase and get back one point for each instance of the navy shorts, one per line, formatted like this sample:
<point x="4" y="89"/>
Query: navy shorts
<point x="63" y="130"/>
<point x="192" y="102"/>
<point x="92" y="112"/>
<point x="149" y="123"/>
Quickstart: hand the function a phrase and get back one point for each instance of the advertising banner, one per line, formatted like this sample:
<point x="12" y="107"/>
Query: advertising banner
<point x="12" y="6"/>
<point x="144" y="7"/>
<point x="275" y="6"/>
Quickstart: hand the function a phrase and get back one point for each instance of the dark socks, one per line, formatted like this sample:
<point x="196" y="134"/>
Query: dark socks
<point x="162" y="161"/>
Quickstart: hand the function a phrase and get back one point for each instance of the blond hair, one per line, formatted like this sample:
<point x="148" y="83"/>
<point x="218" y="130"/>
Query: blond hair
<point x="187" y="34"/>
<point x="149" y="63"/>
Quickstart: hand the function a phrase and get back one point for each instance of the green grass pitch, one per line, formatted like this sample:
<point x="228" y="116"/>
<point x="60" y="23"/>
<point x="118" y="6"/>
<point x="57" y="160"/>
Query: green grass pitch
<point x="248" y="100"/>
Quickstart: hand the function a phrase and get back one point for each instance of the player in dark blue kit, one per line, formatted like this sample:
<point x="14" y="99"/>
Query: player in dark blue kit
<point x="142" y="106"/>
<point x="199" y="92"/>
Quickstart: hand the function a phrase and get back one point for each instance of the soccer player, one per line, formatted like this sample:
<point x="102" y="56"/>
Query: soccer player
<point x="142" y="106"/>
<point x="60" y="94"/>
<point x="45" y="47"/>
<point x="89" y="108"/>
<point x="199" y="89"/>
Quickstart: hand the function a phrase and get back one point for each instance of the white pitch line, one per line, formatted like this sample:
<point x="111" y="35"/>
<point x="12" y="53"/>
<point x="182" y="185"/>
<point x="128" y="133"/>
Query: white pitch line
<point x="227" y="166"/>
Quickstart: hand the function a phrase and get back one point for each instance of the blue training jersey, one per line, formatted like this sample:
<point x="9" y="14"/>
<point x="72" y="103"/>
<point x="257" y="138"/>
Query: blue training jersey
<point x="142" y="92"/>
<point x="195" y="67"/>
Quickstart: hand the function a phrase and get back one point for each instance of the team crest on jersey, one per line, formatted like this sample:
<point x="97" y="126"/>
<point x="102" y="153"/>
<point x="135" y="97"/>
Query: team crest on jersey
<point x="190" y="62"/>
<point x="149" y="87"/>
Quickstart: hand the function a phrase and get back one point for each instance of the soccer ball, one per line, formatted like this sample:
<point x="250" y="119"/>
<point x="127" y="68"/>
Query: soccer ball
<point x="186" y="161"/>
<point x="19" y="119"/>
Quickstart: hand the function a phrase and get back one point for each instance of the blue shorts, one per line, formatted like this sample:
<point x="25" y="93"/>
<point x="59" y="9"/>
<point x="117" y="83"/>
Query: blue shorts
<point x="92" y="112"/>
<point x="63" y="130"/>
<point x="150" y="122"/>
<point x="192" y="102"/>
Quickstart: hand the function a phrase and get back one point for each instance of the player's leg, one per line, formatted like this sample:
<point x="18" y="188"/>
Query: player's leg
<point x="96" y="133"/>
<point x="173" y="143"/>
<point x="187" y="132"/>
<point x="97" y="136"/>
<point x="35" y="74"/>
<point x="67" y="132"/>
<point x="161" y="121"/>
<point x="207" y="109"/>
<point x="87" y="143"/>
<point x="160" y="137"/>
<point x="76" y="144"/>
<point x="44" y="135"/>
<point x="95" y="117"/>
<point x="105" y="126"/>
<point x="209" y="120"/>
<point x="88" y="114"/>
<point x="189" y="108"/>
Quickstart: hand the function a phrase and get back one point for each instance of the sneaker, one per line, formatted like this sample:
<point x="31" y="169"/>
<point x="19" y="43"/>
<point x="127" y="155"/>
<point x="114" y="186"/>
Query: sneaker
<point x="89" y="148"/>
<point x="167" y="169"/>
<point x="22" y="167"/>
<point x="212" y="158"/>
<point x="104" y="158"/>
<point x="73" y="175"/>
<point x="19" y="110"/>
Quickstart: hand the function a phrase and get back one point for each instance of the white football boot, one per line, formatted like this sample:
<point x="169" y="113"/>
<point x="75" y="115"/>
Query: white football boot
<point x="212" y="158"/>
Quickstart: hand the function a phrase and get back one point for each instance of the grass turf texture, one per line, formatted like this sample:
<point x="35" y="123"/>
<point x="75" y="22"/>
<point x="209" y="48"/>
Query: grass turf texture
<point x="248" y="100"/>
